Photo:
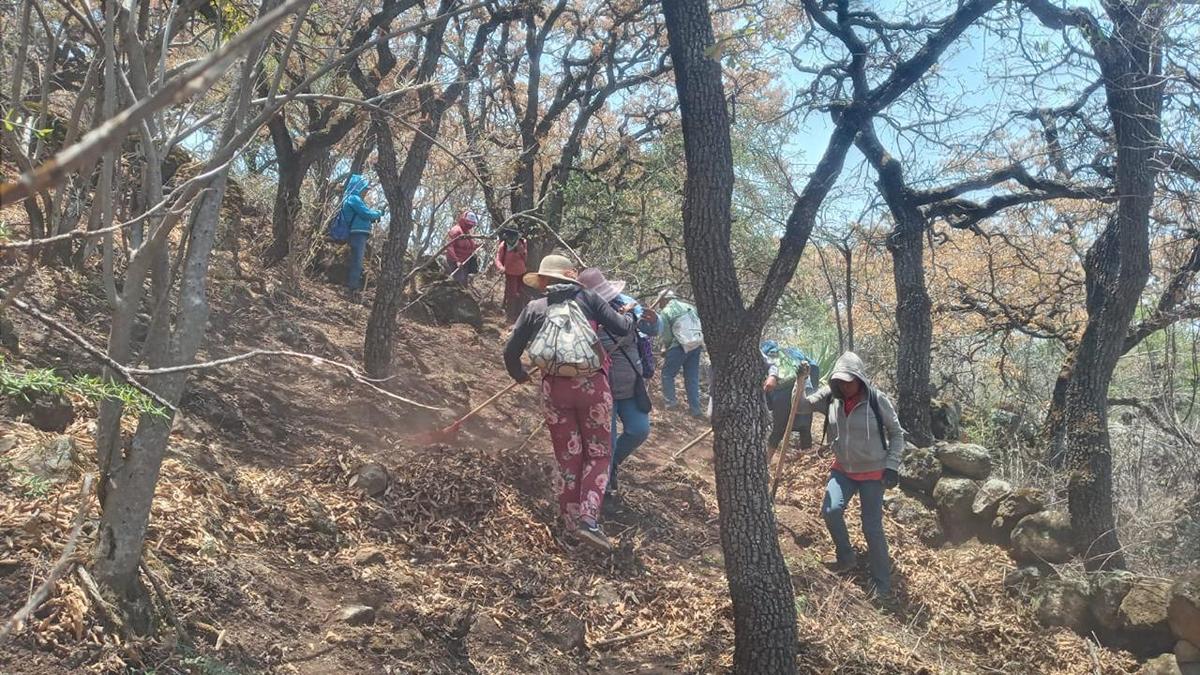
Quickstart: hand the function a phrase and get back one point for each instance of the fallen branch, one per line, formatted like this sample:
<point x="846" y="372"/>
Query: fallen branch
<point x="60" y="567"/>
<point x="313" y="358"/>
<point x="608" y="642"/>
<point x="92" y="351"/>
<point x="691" y="443"/>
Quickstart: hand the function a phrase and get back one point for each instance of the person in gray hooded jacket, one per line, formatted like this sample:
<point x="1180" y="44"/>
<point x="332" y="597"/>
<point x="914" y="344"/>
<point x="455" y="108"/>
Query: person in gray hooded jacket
<point x="867" y="444"/>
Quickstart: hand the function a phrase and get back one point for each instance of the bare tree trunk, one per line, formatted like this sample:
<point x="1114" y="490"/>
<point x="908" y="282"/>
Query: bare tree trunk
<point x="1117" y="267"/>
<point x="132" y="474"/>
<point x="764" y="606"/>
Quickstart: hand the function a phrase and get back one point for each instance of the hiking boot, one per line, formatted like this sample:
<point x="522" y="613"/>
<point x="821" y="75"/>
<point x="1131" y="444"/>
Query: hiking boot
<point x="593" y="536"/>
<point x="840" y="566"/>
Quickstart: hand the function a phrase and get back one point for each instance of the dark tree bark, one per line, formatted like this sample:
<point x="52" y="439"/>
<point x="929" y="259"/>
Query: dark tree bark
<point x="293" y="164"/>
<point x="759" y="584"/>
<point x="1117" y="266"/>
<point x="400" y="186"/>
<point x="914" y="322"/>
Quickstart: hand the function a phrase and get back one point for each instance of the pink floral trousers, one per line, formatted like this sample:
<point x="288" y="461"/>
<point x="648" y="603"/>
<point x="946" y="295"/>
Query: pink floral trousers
<point x="579" y="415"/>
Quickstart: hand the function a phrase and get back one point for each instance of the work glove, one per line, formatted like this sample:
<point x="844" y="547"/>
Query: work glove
<point x="890" y="479"/>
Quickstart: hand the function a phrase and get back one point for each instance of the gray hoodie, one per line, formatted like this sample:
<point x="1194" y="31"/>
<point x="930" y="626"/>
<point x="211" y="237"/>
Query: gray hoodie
<point x="855" y="437"/>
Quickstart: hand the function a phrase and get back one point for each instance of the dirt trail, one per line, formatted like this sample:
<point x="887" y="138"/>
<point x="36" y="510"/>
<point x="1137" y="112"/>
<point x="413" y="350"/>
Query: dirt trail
<point x="262" y="543"/>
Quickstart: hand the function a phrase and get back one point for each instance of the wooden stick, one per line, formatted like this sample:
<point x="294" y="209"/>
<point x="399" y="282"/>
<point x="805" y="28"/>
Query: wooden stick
<point x="39" y="596"/>
<point x="608" y="642"/>
<point x="692" y="443"/>
<point x="797" y="392"/>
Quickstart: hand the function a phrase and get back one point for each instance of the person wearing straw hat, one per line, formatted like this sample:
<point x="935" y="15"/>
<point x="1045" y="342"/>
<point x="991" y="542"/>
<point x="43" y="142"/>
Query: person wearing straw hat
<point x="576" y="397"/>
<point x="626" y="376"/>
<point x="867" y="444"/>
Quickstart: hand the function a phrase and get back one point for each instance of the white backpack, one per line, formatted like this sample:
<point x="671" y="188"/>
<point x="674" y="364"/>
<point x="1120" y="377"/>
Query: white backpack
<point x="687" y="331"/>
<point x="566" y="344"/>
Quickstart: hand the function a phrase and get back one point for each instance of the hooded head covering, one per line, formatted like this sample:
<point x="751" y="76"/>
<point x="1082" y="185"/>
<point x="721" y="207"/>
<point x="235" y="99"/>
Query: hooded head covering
<point x="769" y="348"/>
<point x="850" y="367"/>
<point x="468" y="220"/>
<point x="355" y="185"/>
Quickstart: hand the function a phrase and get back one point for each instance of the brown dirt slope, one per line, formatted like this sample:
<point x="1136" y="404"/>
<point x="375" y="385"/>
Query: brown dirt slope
<point x="258" y="542"/>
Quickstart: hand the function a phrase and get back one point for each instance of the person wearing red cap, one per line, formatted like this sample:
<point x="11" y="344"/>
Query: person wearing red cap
<point x="460" y="255"/>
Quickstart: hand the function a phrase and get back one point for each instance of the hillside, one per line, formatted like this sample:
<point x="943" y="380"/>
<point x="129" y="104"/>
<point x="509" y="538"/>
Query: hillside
<point x="265" y="559"/>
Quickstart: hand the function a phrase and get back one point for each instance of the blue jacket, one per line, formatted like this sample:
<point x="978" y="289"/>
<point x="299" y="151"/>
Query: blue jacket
<point x="354" y="209"/>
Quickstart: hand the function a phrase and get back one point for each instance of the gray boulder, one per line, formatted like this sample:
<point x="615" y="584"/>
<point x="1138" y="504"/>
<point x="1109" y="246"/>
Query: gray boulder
<point x="54" y="459"/>
<point x="1187" y="653"/>
<point x="1183" y="610"/>
<point x="1143" y="617"/>
<point x="8" y="336"/>
<point x="1108" y="590"/>
<point x="919" y="470"/>
<point x="1063" y="602"/>
<point x="966" y="459"/>
<point x="1019" y="503"/>
<point x="987" y="500"/>
<point x="923" y="522"/>
<point x="371" y="478"/>
<point x="945" y="419"/>
<point x="445" y="302"/>
<point x="954" y="498"/>
<point x="1043" y="537"/>
<point x="1161" y="665"/>
<point x="1024" y="579"/>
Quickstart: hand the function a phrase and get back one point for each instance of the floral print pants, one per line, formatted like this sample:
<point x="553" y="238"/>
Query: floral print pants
<point x="579" y="416"/>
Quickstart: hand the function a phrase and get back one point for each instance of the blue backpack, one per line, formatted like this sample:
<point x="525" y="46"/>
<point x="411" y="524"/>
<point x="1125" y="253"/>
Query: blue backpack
<point x="338" y="230"/>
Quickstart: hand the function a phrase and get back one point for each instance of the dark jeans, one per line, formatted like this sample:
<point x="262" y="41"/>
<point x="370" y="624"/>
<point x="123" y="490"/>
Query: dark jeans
<point x="780" y="403"/>
<point x="635" y="429"/>
<point x="358" y="249"/>
<point x="838" y="492"/>
<point x="689" y="362"/>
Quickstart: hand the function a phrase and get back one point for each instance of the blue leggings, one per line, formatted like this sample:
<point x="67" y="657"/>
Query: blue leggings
<point x="838" y="492"/>
<point x="635" y="429"/>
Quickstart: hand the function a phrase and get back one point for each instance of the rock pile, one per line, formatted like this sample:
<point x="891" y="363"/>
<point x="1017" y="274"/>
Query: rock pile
<point x="951" y="496"/>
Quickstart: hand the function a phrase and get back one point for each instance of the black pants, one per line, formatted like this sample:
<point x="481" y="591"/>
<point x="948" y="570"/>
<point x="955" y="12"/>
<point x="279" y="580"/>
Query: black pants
<point x="780" y="403"/>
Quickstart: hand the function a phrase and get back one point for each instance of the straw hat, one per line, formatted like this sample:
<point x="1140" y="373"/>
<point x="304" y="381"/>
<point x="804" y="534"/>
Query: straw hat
<point x="556" y="267"/>
<point x="593" y="279"/>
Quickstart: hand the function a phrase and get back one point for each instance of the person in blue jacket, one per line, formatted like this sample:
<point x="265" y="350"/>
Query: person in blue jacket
<point x="361" y="217"/>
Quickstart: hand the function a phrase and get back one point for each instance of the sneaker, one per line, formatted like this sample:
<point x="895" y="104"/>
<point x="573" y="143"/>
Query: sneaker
<point x="593" y="536"/>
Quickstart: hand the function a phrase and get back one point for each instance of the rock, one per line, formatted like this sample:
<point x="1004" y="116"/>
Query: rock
<point x="922" y="521"/>
<point x="1143" y="617"/>
<point x="1024" y="579"/>
<point x="1186" y="652"/>
<point x="919" y="470"/>
<point x="445" y="302"/>
<point x="371" y="478"/>
<point x="369" y="555"/>
<point x="1063" y="602"/>
<point x="607" y="594"/>
<point x="987" y="500"/>
<point x="1162" y="665"/>
<point x="1018" y="504"/>
<point x="1183" y="610"/>
<point x="53" y="413"/>
<point x="945" y="419"/>
<point x="568" y="631"/>
<point x="319" y="517"/>
<point x="8" y="336"/>
<point x="53" y="460"/>
<point x="356" y="615"/>
<point x="965" y="459"/>
<point x="954" y="498"/>
<point x="1108" y="590"/>
<point x="1043" y="537"/>
<point x="384" y="520"/>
